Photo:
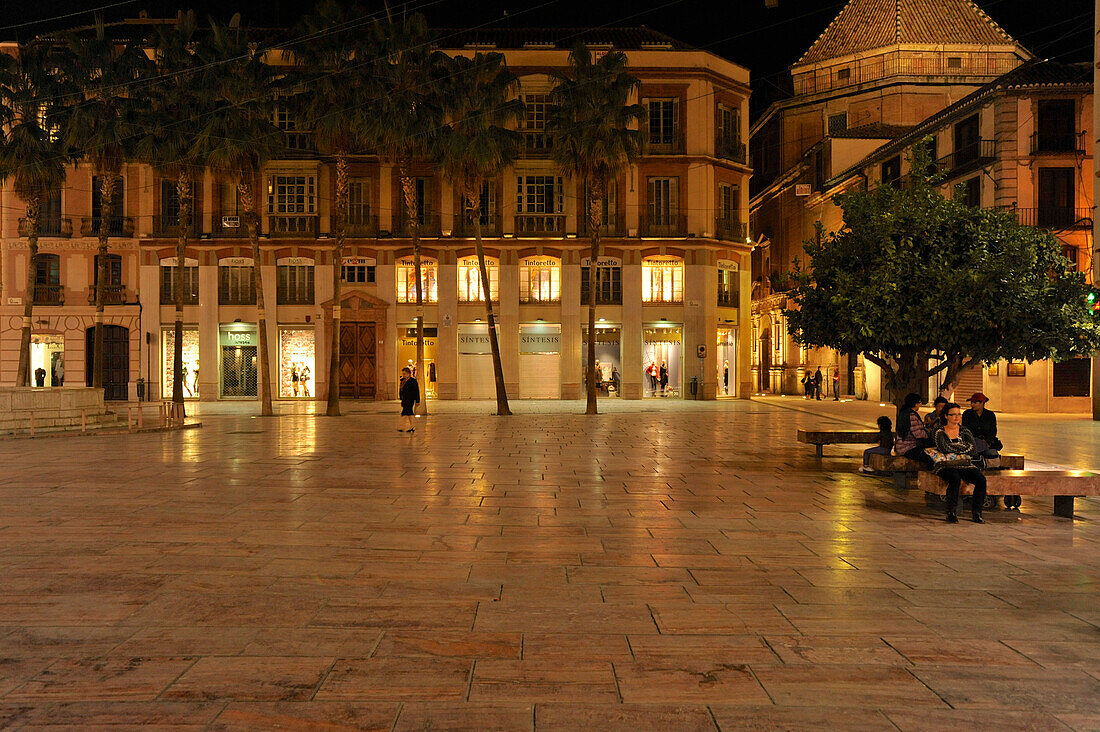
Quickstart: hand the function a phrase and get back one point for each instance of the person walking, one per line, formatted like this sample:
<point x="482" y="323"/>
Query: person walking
<point x="817" y="384"/>
<point x="954" y="439"/>
<point x="410" y="396"/>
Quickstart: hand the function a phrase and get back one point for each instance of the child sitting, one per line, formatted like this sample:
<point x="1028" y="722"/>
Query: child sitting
<point x="885" y="443"/>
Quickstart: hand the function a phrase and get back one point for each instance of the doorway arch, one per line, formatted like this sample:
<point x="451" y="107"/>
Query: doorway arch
<point x="116" y="361"/>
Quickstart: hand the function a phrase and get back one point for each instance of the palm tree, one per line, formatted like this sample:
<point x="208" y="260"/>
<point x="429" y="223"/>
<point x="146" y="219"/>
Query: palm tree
<point x="332" y="95"/>
<point x="31" y="154"/>
<point x="238" y="140"/>
<point x="596" y="136"/>
<point x="170" y="117"/>
<point x="476" y="146"/>
<point x="102" y="127"/>
<point x="403" y="124"/>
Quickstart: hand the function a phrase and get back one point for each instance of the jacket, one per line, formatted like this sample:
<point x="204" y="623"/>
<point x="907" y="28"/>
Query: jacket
<point x="913" y="436"/>
<point x="983" y="426"/>
<point x="410" y="391"/>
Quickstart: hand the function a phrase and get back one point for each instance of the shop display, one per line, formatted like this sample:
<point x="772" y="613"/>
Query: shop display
<point x="190" y="363"/>
<point x="297" y="363"/>
<point x="727" y="362"/>
<point x="661" y="362"/>
<point x="406" y="356"/>
<point x="48" y="360"/>
<point x="608" y="361"/>
<point x="239" y="361"/>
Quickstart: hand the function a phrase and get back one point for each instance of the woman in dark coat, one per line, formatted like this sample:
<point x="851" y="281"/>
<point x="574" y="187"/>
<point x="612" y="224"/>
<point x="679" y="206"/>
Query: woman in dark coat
<point x="913" y="437"/>
<point x="410" y="396"/>
<point x="664" y="378"/>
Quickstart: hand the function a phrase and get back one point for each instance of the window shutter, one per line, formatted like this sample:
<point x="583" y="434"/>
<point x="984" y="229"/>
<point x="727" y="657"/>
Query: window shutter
<point x="673" y="200"/>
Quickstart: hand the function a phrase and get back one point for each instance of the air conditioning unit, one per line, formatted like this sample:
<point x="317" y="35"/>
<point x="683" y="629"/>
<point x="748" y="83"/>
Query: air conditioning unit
<point x="231" y="222"/>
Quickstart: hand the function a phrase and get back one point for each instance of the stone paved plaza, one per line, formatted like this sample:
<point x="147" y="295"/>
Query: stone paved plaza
<point x="663" y="566"/>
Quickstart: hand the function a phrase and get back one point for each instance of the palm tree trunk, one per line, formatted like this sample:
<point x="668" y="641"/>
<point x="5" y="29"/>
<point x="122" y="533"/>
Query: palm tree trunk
<point x="473" y="199"/>
<point x="183" y="195"/>
<point x="341" y="219"/>
<point x="108" y="181"/>
<point x="414" y="229"/>
<point x="595" y="207"/>
<point x="34" y="211"/>
<point x="248" y="202"/>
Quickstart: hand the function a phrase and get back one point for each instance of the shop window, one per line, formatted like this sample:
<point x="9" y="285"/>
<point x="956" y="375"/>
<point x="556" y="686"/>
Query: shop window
<point x="469" y="279"/>
<point x="168" y="275"/>
<point x="609" y="280"/>
<point x="663" y="123"/>
<point x="663" y="279"/>
<point x="1072" y="378"/>
<point x="406" y="280"/>
<point x="1017" y="368"/>
<point x="236" y="285"/>
<point x="296" y="363"/>
<point x="295" y="284"/>
<point x="357" y="274"/>
<point x="190" y="363"/>
<point x="540" y="279"/>
<point x="994" y="369"/>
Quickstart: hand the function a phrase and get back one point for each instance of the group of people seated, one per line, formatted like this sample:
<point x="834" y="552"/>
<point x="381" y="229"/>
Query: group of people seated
<point x="948" y="441"/>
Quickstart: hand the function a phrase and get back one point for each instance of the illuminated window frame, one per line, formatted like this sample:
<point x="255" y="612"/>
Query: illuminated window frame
<point x="662" y="281"/>
<point x="469" y="279"/>
<point x="540" y="283"/>
<point x="429" y="281"/>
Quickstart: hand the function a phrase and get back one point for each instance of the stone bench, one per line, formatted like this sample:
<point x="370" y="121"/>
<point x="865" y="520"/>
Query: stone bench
<point x="901" y="464"/>
<point x="1064" y="485"/>
<point x="819" y="438"/>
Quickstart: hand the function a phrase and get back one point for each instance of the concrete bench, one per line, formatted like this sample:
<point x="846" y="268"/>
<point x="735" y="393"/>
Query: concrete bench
<point x="902" y="467"/>
<point x="819" y="438"/>
<point x="1064" y="485"/>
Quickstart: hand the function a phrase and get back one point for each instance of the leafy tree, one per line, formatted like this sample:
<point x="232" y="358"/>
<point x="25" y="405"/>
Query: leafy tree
<point x="333" y="93"/>
<point x="477" y="146"/>
<point x="596" y="135"/>
<point x="239" y="139"/>
<point x="914" y="275"/>
<point x="31" y="154"/>
<point x="403" y="124"/>
<point x="170" y="118"/>
<point x="102" y="126"/>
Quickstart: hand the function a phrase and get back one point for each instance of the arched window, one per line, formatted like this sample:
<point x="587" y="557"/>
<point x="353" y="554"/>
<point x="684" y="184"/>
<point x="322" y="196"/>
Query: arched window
<point x="662" y="279"/>
<point x="540" y="279"/>
<point x="469" y="279"/>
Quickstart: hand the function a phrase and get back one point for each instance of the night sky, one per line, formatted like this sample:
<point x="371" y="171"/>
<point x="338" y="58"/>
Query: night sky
<point x="765" y="40"/>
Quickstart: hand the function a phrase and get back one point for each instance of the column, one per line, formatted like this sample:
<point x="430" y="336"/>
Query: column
<point x="446" y="345"/>
<point x="322" y="337"/>
<point x="698" y="327"/>
<point x="269" y="273"/>
<point x="744" y="328"/>
<point x="149" y="285"/>
<point x="385" y="353"/>
<point x="508" y="325"/>
<point x="632" y="327"/>
<point x="208" y="333"/>
<point x="574" y="317"/>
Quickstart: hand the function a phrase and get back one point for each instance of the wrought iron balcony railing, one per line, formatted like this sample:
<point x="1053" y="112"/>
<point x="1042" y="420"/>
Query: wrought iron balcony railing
<point x="540" y="224"/>
<point x="664" y="226"/>
<point x="121" y="226"/>
<point x="284" y="226"/>
<point x="60" y="227"/>
<point x="49" y="294"/>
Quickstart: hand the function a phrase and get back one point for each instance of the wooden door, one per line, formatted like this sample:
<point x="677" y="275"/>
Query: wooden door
<point x="116" y="361"/>
<point x="357" y="360"/>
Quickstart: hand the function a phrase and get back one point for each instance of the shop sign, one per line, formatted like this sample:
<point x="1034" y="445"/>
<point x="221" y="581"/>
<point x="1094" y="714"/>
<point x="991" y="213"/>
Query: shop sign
<point x="410" y="262"/>
<point x="359" y="261"/>
<point x="238" y="337"/>
<point x="471" y="261"/>
<point x="728" y="265"/>
<point x="235" y="262"/>
<point x="295" y="261"/>
<point x="171" y="262"/>
<point x="474" y="339"/>
<point x="411" y="343"/>
<point x="540" y="262"/>
<point x="540" y="339"/>
<point x="603" y="262"/>
<point x="663" y="259"/>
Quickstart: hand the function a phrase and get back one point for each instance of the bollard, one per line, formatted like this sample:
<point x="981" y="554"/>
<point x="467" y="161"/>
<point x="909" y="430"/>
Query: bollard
<point x="83" y="421"/>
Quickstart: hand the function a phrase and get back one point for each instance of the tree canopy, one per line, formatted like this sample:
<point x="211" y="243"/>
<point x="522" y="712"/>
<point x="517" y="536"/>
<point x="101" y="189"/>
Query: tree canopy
<point x="914" y="275"/>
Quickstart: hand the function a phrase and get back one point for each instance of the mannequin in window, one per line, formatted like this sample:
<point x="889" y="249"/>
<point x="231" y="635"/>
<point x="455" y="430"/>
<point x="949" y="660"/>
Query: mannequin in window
<point x="294" y="378"/>
<point x="303" y="376"/>
<point x="40" y="376"/>
<point x="726" y="378"/>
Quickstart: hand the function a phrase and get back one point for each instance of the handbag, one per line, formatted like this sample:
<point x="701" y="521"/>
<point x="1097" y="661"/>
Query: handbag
<point x="949" y="460"/>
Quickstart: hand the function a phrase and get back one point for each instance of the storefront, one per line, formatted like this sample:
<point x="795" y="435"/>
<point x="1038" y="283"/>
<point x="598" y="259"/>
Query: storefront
<point x="662" y="360"/>
<point x="190" y="362"/>
<point x="239" y="346"/>
<point x="406" y="356"/>
<point x="727" y="362"/>
<point x="475" y="362"/>
<point x="609" y="365"/>
<point x="540" y="361"/>
<point x="297" y="363"/>
<point x="47" y="360"/>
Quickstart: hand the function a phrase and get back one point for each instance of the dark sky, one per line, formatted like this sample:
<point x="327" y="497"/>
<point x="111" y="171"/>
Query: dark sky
<point x="765" y="40"/>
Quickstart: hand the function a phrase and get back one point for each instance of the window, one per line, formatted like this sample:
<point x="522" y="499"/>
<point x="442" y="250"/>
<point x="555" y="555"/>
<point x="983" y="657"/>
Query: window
<point x="931" y="147"/>
<point x="536" y="143"/>
<point x="47" y="280"/>
<point x="966" y="141"/>
<point x="540" y="203"/>
<point x="1057" y="196"/>
<point x="663" y="205"/>
<point x="235" y="285"/>
<point x="662" y="279"/>
<point x="114" y="270"/>
<point x="1070" y="253"/>
<point x="1017" y="368"/>
<point x="357" y="274"/>
<point x="285" y="120"/>
<point x="1072" y="378"/>
<point x="168" y="274"/>
<point x="954" y="62"/>
<point x="609" y="281"/>
<point x="295" y="284"/>
<point x="970" y="192"/>
<point x="469" y="279"/>
<point x="291" y="194"/>
<point x="118" y="201"/>
<point x="487" y="203"/>
<point x="891" y="172"/>
<point x="728" y="144"/>
<point x="663" y="122"/>
<point x="838" y="123"/>
<point x="406" y="280"/>
<point x="359" y="215"/>
<point x="1055" y="126"/>
<point x="539" y="279"/>
<point x="609" y="216"/>
<point x="843" y="74"/>
<point x="728" y="288"/>
<point x="49" y="216"/>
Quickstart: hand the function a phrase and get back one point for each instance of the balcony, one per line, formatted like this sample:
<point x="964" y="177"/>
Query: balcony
<point x="112" y="295"/>
<point x="60" y="227"/>
<point x="1054" y="218"/>
<point x="540" y="224"/>
<point x="728" y="228"/>
<point x="49" y="295"/>
<point x="967" y="158"/>
<point x="666" y="147"/>
<point x="121" y="226"/>
<point x="613" y="226"/>
<point x="1047" y="143"/>
<point x="665" y="226"/>
<point x="297" y="226"/>
<point x="299" y="144"/>
<point x="168" y="226"/>
<point x="364" y="226"/>
<point x="536" y="146"/>
<point x="730" y="149"/>
<point x="728" y="297"/>
<point x="491" y="225"/>
<point x="429" y="225"/>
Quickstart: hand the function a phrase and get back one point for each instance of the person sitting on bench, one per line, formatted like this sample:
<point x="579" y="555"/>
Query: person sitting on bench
<point x="982" y="423"/>
<point x="935" y="420"/>
<point x="912" y="435"/>
<point x="954" y="439"/>
<point x="885" y="442"/>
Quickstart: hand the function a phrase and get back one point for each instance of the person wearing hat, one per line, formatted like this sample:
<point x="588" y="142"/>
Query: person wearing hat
<point x="982" y="423"/>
